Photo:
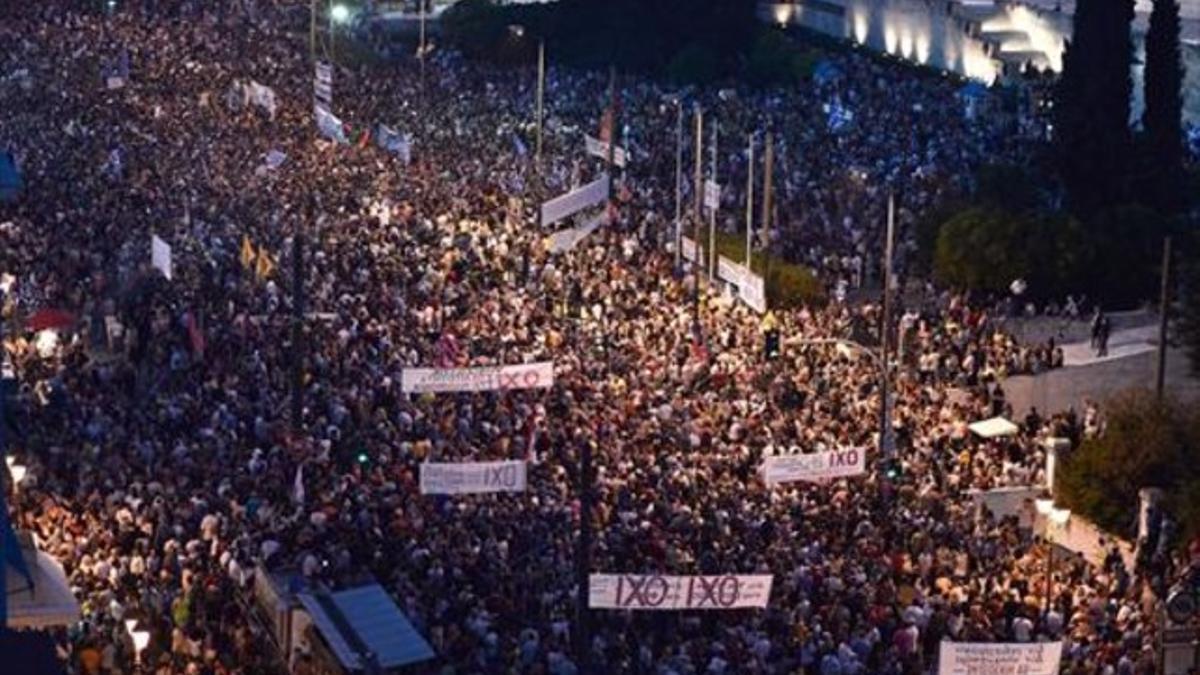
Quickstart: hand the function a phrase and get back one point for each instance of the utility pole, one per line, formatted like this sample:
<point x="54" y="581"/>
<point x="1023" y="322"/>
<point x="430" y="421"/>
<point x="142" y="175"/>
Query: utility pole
<point x="541" y="92"/>
<point x="4" y="524"/>
<point x="678" y="181"/>
<point x="312" y="30"/>
<point x="421" y="58"/>
<point x="1164" y="310"/>
<point x="298" y="327"/>
<point x="332" y="35"/>
<point x="712" y="211"/>
<point x="768" y="180"/>
<point x="583" y="636"/>
<point x="699" y="200"/>
<point x="749" y="197"/>
<point x="612" y="131"/>
<point x="885" y="411"/>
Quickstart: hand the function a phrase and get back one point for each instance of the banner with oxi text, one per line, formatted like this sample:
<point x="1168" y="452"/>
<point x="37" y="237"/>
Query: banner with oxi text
<point x="498" y="378"/>
<point x="592" y="194"/>
<point x="662" y="592"/>
<point x="999" y="658"/>
<point x="814" y="467"/>
<point x="466" y="478"/>
<point x="598" y="148"/>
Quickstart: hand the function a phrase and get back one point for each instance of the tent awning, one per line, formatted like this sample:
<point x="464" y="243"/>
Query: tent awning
<point x="996" y="426"/>
<point x="365" y="619"/>
<point x="49" y="602"/>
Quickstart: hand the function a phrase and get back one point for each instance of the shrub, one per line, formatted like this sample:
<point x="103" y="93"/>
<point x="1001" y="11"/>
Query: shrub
<point x="787" y="284"/>
<point x="1145" y="444"/>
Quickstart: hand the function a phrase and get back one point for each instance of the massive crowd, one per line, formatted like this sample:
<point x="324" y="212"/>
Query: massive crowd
<point x="162" y="466"/>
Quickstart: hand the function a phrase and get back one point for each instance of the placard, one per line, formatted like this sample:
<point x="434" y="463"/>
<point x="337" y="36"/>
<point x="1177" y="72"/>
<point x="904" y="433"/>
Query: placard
<point x="999" y="658"/>
<point x="464" y="478"/>
<point x="499" y="378"/>
<point x="814" y="467"/>
<point x="598" y="148"/>
<point x="160" y="256"/>
<point x="661" y="592"/>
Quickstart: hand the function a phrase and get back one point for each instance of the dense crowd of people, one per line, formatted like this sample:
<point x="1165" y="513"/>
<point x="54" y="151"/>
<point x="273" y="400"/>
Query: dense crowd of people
<point x="163" y="460"/>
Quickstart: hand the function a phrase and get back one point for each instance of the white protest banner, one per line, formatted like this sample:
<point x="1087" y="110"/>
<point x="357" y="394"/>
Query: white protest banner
<point x="499" y="378"/>
<point x="690" y="250"/>
<point x="592" y="194"/>
<point x="262" y="96"/>
<point x="656" y="591"/>
<point x="729" y="271"/>
<point x="752" y="290"/>
<point x="598" y="148"/>
<point x="160" y="255"/>
<point x="566" y="240"/>
<point x="323" y="84"/>
<point x="712" y="195"/>
<point x="814" y="467"/>
<point x="999" y="658"/>
<point x="464" y="478"/>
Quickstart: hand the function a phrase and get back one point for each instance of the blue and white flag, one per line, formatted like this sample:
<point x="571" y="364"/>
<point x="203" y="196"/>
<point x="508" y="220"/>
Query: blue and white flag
<point x="262" y="96"/>
<point x="114" y="164"/>
<point x="839" y="117"/>
<point x="393" y="141"/>
<point x="330" y="126"/>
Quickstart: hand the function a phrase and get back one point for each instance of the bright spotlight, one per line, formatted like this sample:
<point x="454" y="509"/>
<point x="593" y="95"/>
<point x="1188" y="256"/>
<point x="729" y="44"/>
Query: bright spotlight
<point x="340" y="13"/>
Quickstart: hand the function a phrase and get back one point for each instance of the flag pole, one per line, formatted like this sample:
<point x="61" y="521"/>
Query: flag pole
<point x="749" y="197"/>
<point x="678" y="181"/>
<point x="541" y="92"/>
<point x="698" y="188"/>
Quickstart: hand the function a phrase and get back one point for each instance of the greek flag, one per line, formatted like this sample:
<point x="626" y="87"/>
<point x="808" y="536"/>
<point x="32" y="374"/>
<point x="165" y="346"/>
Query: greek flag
<point x="839" y="117"/>
<point x="330" y="126"/>
<point x="393" y="141"/>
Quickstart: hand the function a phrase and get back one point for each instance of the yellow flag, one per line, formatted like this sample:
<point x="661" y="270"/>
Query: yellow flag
<point x="247" y="252"/>
<point x="265" y="265"/>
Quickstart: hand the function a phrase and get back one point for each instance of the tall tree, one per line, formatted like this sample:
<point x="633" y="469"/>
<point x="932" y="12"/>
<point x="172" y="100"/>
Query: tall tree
<point x="1164" y="105"/>
<point x="1092" y="134"/>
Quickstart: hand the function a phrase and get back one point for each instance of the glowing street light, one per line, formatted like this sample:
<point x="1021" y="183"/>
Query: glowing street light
<point x="340" y="13"/>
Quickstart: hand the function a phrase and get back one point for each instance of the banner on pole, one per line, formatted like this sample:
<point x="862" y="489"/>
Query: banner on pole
<point x="160" y="256"/>
<point x="599" y="148"/>
<point x="499" y="378"/>
<point x="814" y="467"/>
<point x="468" y="478"/>
<point x="712" y="195"/>
<point x="999" y="658"/>
<point x="323" y="85"/>
<point x="587" y="196"/>
<point x="753" y="292"/>
<point x="566" y="240"/>
<point x="730" y="272"/>
<point x="661" y="592"/>
<point x="691" y="250"/>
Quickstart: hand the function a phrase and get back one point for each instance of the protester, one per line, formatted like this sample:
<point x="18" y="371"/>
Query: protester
<point x="165" y="469"/>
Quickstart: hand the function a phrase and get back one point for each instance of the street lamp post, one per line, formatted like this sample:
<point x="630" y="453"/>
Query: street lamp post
<point x="1055" y="517"/>
<point x="885" y="404"/>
